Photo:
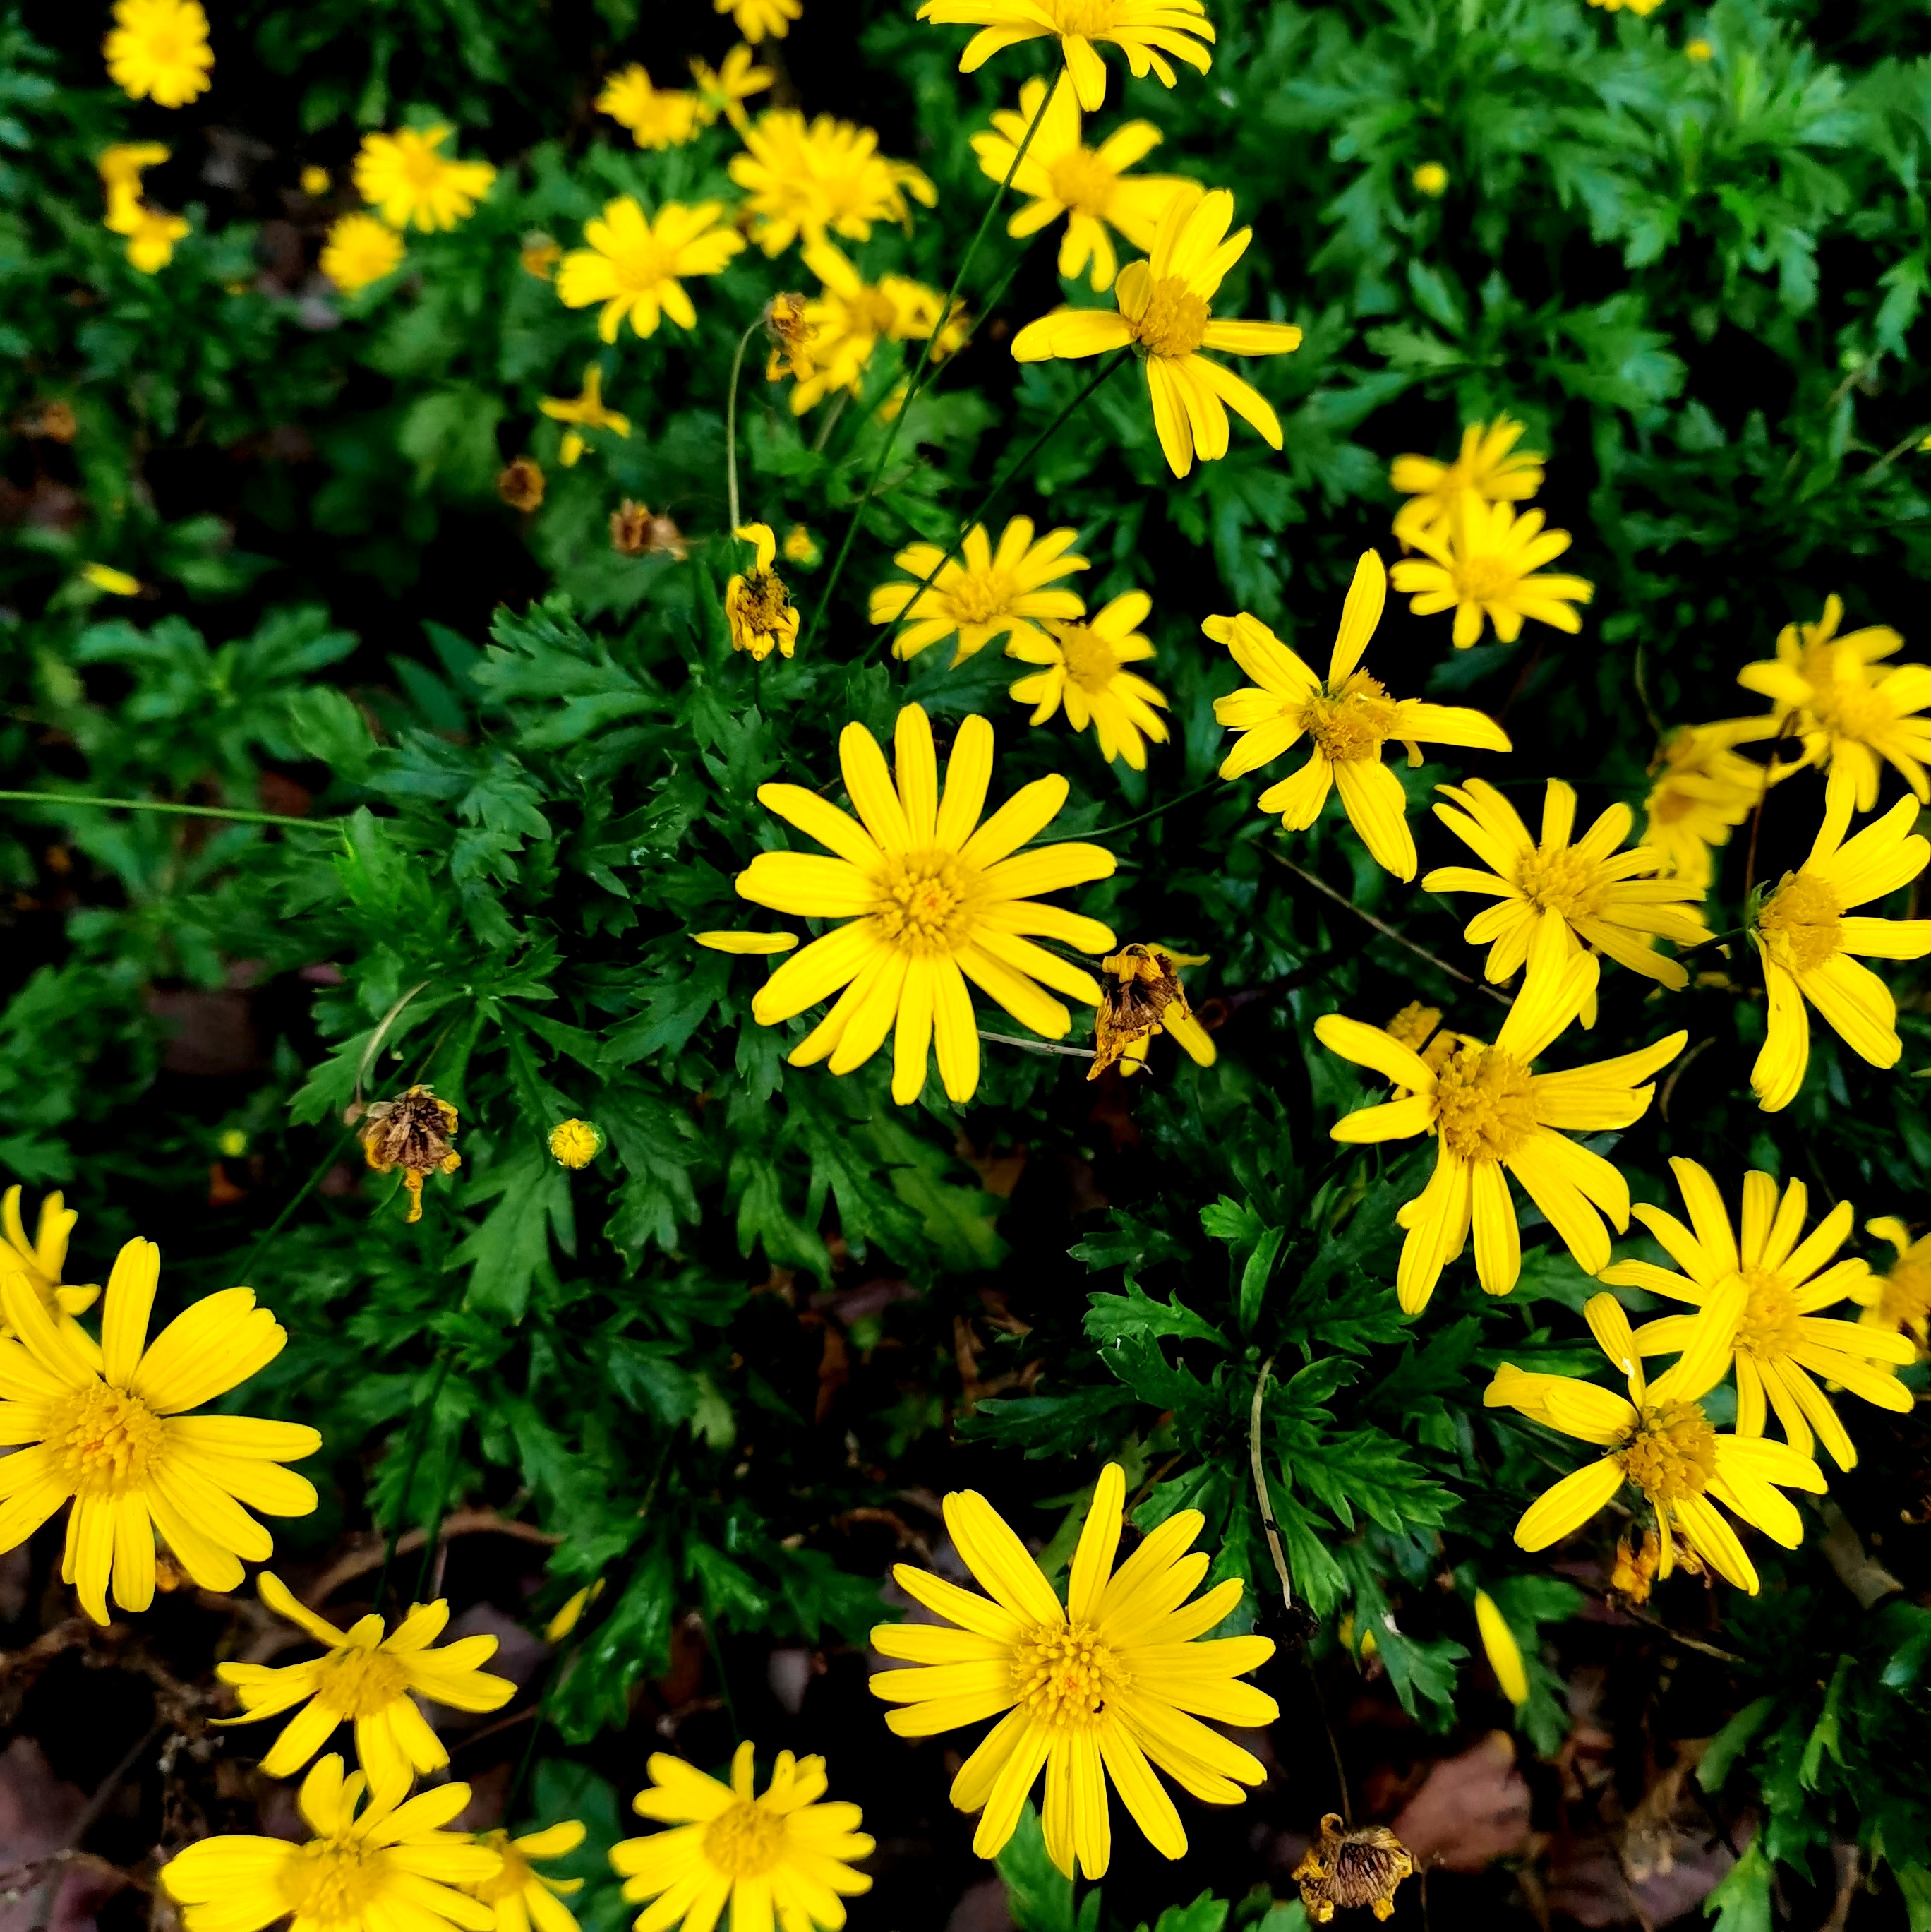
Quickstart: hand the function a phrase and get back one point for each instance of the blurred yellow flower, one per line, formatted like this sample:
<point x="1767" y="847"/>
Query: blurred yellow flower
<point x="723" y="90"/>
<point x="1504" y="1653"/>
<point x="633" y="266"/>
<point x="522" y="1896"/>
<point x="847" y="318"/>
<point x="1430" y="178"/>
<point x="570" y="1612"/>
<point x="314" y="181"/>
<point x="360" y="249"/>
<point x="1900" y="1301"/>
<point x="1482" y="566"/>
<point x="757" y="606"/>
<point x="1145" y="30"/>
<point x="404" y="178"/>
<point x="801" y="547"/>
<point x="826" y="178"/>
<point x="1637" y="7"/>
<point x="42" y="1260"/>
<point x="1083" y="665"/>
<point x="122" y="165"/>
<point x="539" y="256"/>
<point x="115" y="582"/>
<point x="1699" y="50"/>
<point x="982" y="593"/>
<point x="657" y="117"/>
<point x="583" y="411"/>
<point x="1488" y="462"/>
<point x="756" y="20"/>
<point x="1705" y="789"/>
<point x="158" y="51"/>
<point x="151" y="232"/>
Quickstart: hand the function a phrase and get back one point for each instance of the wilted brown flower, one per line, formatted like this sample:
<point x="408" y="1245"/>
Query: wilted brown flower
<point x="54" y="421"/>
<point x="791" y="336"/>
<point x="634" y="531"/>
<point x="1636" y="1569"/>
<point x="1351" y="1868"/>
<point x="520" y="486"/>
<point x="540" y="256"/>
<point x="1142" y="996"/>
<point x="414" y="1134"/>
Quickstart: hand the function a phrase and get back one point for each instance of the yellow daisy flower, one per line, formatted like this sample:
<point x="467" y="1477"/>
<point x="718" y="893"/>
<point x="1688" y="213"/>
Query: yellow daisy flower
<point x="122" y="165"/>
<point x="633" y="264"/>
<point x="1089" y="186"/>
<point x="929" y="902"/>
<point x="827" y="178"/>
<point x="1900" y="1301"/>
<point x="1145" y="30"/>
<point x="1488" y="1112"/>
<point x="1350" y="717"/>
<point x="110" y="1433"/>
<point x="848" y="318"/>
<point x="1163" y="307"/>
<point x="395" y="1865"/>
<point x="583" y="411"/>
<point x="1489" y="464"/>
<point x="1660" y="1441"/>
<point x="757" y="19"/>
<point x="1705" y="789"/>
<point x="1089" y="1690"/>
<point x="657" y="117"/>
<point x="1083" y="666"/>
<point x="406" y="180"/>
<point x="779" y="1855"/>
<point x="368" y="1680"/>
<point x="158" y="51"/>
<point x="40" y="1261"/>
<point x="1807" y="945"/>
<point x="1481" y="564"/>
<point x="520" y="1895"/>
<point x="983" y="593"/>
<point x="360" y="249"/>
<point x="756" y="604"/>
<point x="1781" y="1338"/>
<point x="151" y="231"/>
<point x="724" y="89"/>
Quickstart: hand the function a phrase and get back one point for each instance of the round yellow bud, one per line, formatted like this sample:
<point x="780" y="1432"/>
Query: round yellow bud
<point x="233" y="1144"/>
<point x="314" y="181"/>
<point x="577" y="1143"/>
<point x="1431" y="179"/>
<point x="801" y="546"/>
<point x="1698" y="50"/>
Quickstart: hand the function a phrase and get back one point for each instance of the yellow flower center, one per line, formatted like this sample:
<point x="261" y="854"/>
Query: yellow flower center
<point x="1087" y="17"/>
<point x="927" y="903"/>
<point x="332" y="1881"/>
<point x="1668" y="805"/>
<point x="1082" y="181"/>
<point x="1769" y="1328"/>
<point x="1090" y="661"/>
<point x="641" y="267"/>
<point x="1174" y="320"/>
<point x="1484" y="1106"/>
<point x="422" y="166"/>
<point x="757" y="605"/>
<point x="1801" y="922"/>
<point x="1351" y="725"/>
<point x="512" y="1880"/>
<point x="1562" y="881"/>
<point x="1486" y="580"/>
<point x="743" y="1841"/>
<point x="1062" y="1674"/>
<point x="978" y="596"/>
<point x="1854" y="710"/>
<point x="358" y="1683"/>
<point x="1672" y="1452"/>
<point x="104" y="1441"/>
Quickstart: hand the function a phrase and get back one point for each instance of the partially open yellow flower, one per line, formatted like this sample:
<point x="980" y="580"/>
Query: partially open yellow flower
<point x="982" y="593"/>
<point x="633" y="264"/>
<point x="657" y="117"/>
<point x="576" y="1143"/>
<point x="1430" y="178"/>
<point x="1489" y="464"/>
<point x="582" y="412"/>
<point x="1145" y="30"/>
<point x="1482" y="564"/>
<point x="158" y="51"/>
<point x="756" y="604"/>
<point x="151" y="231"/>
<point x="122" y="165"/>
<point x="115" y="582"/>
<point x="405" y="178"/>
<point x="725" y="88"/>
<point x="1083" y="665"/>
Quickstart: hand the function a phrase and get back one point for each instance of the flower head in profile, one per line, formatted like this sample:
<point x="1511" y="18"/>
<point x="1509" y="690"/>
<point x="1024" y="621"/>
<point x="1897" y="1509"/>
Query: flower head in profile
<point x="41" y="1262"/>
<point x="158" y="51"/>
<point x="587" y="410"/>
<point x="396" y="1864"/>
<point x="1060" y="175"/>
<point x="521" y="1896"/>
<point x="406" y="178"/>
<point x="1783" y="1337"/>
<point x="848" y="318"/>
<point x="1163" y="310"/>
<point x="779" y="1855"/>
<point x="360" y="249"/>
<point x="1145" y="996"/>
<point x="826" y="177"/>
<point x="1899" y="1301"/>
<point x="1808" y="942"/>
<point x="983" y="593"/>
<point x="930" y="899"/>
<point x="151" y="231"/>
<point x="1705" y="789"/>
<point x="1349" y="718"/>
<point x="1660" y="1442"/>
<point x="1492" y="1116"/>
<point x="1146" y="31"/>
<point x="1110" y="1683"/>
<point x="635" y="265"/>
<point x="1083" y="665"/>
<point x="760" y="20"/>
<point x="757" y="606"/>
<point x="1485" y="564"/>
<point x="1489" y="464"/>
<point x="111" y="1432"/>
<point x="724" y="88"/>
<point x="657" y="117"/>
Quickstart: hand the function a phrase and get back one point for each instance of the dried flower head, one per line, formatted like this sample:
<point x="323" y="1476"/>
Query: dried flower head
<point x="577" y="1143"/>
<point x="414" y="1134"/>
<point x="757" y="605"/>
<point x="634" y="531"/>
<point x="539" y="257"/>
<point x="520" y="485"/>
<point x="52" y="421"/>
<point x="1141" y="996"/>
<point x="791" y="333"/>
<point x="1351" y="1868"/>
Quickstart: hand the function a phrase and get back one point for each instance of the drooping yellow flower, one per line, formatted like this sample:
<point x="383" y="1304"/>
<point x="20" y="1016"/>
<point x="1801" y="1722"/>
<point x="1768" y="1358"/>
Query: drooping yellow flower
<point x="758" y="20"/>
<point x="756" y="604"/>
<point x="1362" y="1865"/>
<point x="1489" y="464"/>
<point x="1091" y="1689"/>
<point x="395" y="1865"/>
<point x="633" y="266"/>
<point x="1483" y="564"/>
<point x="583" y="411"/>
<point x="1145" y="30"/>
<point x="1849" y="710"/>
<point x="725" y="88"/>
<point x="158" y="51"/>
<point x="404" y="177"/>
<point x="1083" y="666"/>
<point x="1504" y="1653"/>
<point x="983" y="593"/>
<point x="360" y="249"/>
<point x="657" y="117"/>
<point x="1660" y="1442"/>
<point x="1089" y="186"/>
<point x="1899" y="1302"/>
<point x="1350" y="717"/>
<point x="1488" y="1112"/>
<point x="368" y="1680"/>
<point x="1163" y="307"/>
<point x="1145" y="996"/>
<point x="41" y="1261"/>
<point x="848" y="318"/>
<point x="1781" y="1338"/>
<point x="122" y="165"/>
<point x="827" y="178"/>
<point x="1808" y="945"/>
<point x="1705" y="789"/>
<point x="779" y="1855"/>
<point x="151" y="231"/>
<point x="519" y="1894"/>
<point x="930" y="899"/>
<point x="110" y="1432"/>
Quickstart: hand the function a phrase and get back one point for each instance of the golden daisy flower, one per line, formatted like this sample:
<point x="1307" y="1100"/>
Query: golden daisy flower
<point x="1782" y="1338"/>
<point x="1163" y="307"/>
<point x="151" y="231"/>
<point x="122" y="165"/>
<point x="360" y="249"/>
<point x="583" y="411"/>
<point x="1145" y="30"/>
<point x="1504" y="1652"/>
<point x="1705" y="789"/>
<point x="40" y="1262"/>
<point x="724" y="89"/>
<point x="1091" y="1689"/>
<point x="575" y="1143"/>
<point x="1481" y="564"/>
<point x="368" y="1680"/>
<point x="1660" y="1442"/>
<point x="1350" y="718"/>
<point x="1431" y="179"/>
<point x="521" y="1896"/>
<point x="158" y="51"/>
<point x="983" y="593"/>
<point x="849" y="317"/>
<point x="110" y="1432"/>
<point x="1089" y="186"/>
<point x="1808" y="945"/>
<point x="1899" y="1302"/>
<point x="633" y="264"/>
<point x="930" y="899"/>
<point x="1083" y="664"/>
<point x="1489" y="464"/>
<point x="751" y="944"/>
<point x="1848" y="712"/>
<point x="756" y="604"/>
<point x="657" y="117"/>
<point x="1145" y="996"/>
<point x="1488" y="1112"/>
<point x="395" y="1865"/>
<point x="406" y="180"/>
<point x="1351" y="1868"/>
<point x="826" y="178"/>
<point x="777" y="1855"/>
<point x="758" y="20"/>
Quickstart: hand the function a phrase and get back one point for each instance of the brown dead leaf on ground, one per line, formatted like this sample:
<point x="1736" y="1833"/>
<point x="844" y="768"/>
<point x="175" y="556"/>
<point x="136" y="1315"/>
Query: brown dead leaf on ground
<point x="1470" y="1810"/>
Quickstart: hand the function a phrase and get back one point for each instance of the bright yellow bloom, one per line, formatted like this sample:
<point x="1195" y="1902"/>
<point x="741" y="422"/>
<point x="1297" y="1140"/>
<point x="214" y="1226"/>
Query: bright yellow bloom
<point x="1488" y="1112"/>
<point x="827" y="178"/>
<point x="122" y="165"/>
<point x="1849" y="712"/>
<point x="1350" y="718"/>
<point x="1899" y="1302"/>
<point x="1698" y="50"/>
<point x="1504" y="1653"/>
<point x="1089" y="186"/>
<point x="724" y="89"/>
<point x="41" y="1261"/>
<point x="983" y="593"/>
<point x="1705" y="789"/>
<point x="657" y="117"/>
<point x="1145" y="30"/>
<point x="756" y="604"/>
<point x="109" y="1432"/>
<point x="158" y="51"/>
<point x="930" y="899"/>
<point x="1489" y="464"/>
<point x="151" y="232"/>
<point x="575" y="1143"/>
<point x="404" y="179"/>
<point x="394" y="1866"/>
<point x="849" y="317"/>
<point x="583" y="411"/>
<point x="1091" y="1689"/>
<point x="1481" y="564"/>
<point x="1163" y="307"/>
<point x="780" y="1855"/>
<point x="1083" y="666"/>
<point x="1807" y="944"/>
<point x="1430" y="178"/>
<point x="756" y="944"/>
<point x="1781" y="1339"/>
<point x="756" y="20"/>
<point x="360" y="249"/>
<point x="314" y="182"/>
<point x="633" y="266"/>
<point x="1660" y="1442"/>
<point x="115" y="582"/>
<point x="521" y="1896"/>
<point x="368" y="1680"/>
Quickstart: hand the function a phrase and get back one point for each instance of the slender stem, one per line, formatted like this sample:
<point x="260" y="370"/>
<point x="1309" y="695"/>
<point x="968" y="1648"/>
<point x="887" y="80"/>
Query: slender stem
<point x="731" y="421"/>
<point x="1333" y="1742"/>
<point x="1127" y="824"/>
<point x="1267" y="1522"/>
<point x="419" y="1441"/>
<point x="831" y="421"/>
<point x="160" y="805"/>
<point x="1039" y="1046"/>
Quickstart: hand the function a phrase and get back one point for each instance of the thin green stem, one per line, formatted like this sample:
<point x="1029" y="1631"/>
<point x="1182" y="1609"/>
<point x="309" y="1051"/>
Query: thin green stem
<point x="160" y="805"/>
<point x="1127" y="824"/>
<point x="731" y="421"/>
<point x="831" y="421"/>
<point x="418" y="1442"/>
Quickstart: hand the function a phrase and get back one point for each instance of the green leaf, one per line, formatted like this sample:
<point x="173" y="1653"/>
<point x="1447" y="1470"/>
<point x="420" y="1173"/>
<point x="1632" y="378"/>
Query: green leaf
<point x="634" y="1641"/>
<point x="1740" y="1901"/>
<point x="1728" y="1743"/>
<point x="1038" y="1895"/>
<point x="1110" y="1316"/>
<point x="532" y="1194"/>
